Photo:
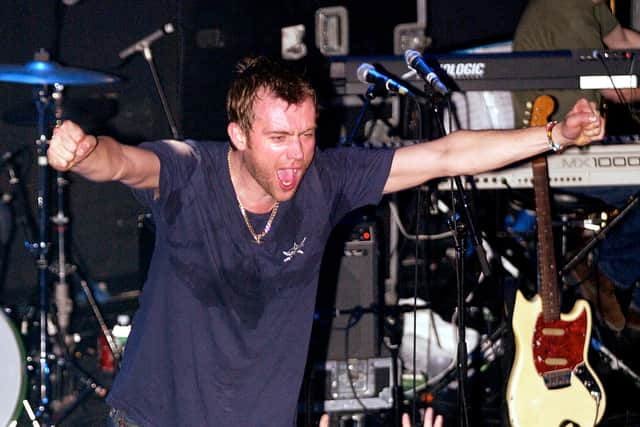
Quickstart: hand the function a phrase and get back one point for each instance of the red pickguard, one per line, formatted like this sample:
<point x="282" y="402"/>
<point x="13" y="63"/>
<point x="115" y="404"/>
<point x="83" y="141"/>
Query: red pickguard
<point x="569" y="346"/>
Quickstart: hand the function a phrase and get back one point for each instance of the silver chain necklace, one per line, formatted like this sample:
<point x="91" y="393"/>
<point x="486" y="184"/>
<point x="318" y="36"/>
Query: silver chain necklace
<point x="257" y="237"/>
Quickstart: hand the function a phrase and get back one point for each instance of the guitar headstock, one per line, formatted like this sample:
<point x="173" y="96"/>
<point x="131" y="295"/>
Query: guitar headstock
<point x="539" y="110"/>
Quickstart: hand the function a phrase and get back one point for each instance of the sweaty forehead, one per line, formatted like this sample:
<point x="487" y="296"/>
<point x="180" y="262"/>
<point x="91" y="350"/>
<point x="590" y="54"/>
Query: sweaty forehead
<point x="277" y="114"/>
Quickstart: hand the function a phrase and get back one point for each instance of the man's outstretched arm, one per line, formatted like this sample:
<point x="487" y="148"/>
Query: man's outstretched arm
<point x="470" y="152"/>
<point x="102" y="158"/>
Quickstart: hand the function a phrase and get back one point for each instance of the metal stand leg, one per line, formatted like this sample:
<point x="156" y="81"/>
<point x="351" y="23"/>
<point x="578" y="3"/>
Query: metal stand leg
<point x="90" y="386"/>
<point x="600" y="235"/>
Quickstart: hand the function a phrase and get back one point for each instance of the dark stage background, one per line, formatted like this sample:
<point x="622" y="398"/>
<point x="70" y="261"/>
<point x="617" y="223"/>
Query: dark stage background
<point x="109" y="240"/>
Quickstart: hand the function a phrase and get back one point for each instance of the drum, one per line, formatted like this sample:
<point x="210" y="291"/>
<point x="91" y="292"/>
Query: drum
<point x="12" y="372"/>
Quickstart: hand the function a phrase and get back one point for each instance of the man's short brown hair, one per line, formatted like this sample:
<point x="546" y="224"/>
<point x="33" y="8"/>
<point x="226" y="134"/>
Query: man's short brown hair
<point x="271" y="76"/>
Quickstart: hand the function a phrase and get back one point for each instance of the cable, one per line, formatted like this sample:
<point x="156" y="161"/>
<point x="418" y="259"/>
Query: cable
<point x="619" y="92"/>
<point x="393" y="208"/>
<point x="357" y="318"/>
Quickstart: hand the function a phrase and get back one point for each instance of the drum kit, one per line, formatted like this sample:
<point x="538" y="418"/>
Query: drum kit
<point x="25" y="373"/>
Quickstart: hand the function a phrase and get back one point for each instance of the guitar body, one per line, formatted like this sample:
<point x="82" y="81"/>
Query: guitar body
<point x="530" y="401"/>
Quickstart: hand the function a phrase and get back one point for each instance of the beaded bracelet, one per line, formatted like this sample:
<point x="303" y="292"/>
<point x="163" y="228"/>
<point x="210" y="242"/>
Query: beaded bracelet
<point x="553" y="146"/>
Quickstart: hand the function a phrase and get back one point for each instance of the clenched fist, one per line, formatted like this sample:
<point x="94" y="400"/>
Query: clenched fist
<point x="69" y="146"/>
<point x="583" y="124"/>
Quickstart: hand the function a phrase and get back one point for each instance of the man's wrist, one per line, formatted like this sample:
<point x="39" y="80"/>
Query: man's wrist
<point x="554" y="145"/>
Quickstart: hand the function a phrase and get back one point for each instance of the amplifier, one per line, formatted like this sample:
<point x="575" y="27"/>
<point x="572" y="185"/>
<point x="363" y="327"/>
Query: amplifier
<point x="334" y="383"/>
<point x="346" y="325"/>
<point x="357" y="289"/>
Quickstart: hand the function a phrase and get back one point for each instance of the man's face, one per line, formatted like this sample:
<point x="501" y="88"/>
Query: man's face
<point x="281" y="144"/>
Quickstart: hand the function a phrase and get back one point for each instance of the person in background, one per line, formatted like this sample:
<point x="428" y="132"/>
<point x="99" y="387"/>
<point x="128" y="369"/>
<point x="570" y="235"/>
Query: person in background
<point x="222" y="331"/>
<point x="548" y="25"/>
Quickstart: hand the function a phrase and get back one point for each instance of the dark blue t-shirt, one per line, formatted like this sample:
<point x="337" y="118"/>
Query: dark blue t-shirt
<point x="221" y="335"/>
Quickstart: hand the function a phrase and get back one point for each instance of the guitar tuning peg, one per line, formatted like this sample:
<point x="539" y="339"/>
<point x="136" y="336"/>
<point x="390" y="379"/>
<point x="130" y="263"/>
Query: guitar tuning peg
<point x="525" y="122"/>
<point x="529" y="105"/>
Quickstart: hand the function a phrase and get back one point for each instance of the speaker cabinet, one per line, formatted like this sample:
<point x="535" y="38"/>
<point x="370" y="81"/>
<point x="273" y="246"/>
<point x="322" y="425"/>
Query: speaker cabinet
<point x="354" y="332"/>
<point x="346" y="323"/>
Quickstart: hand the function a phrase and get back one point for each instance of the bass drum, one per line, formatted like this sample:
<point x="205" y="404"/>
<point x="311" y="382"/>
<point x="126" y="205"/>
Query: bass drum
<point x="12" y="372"/>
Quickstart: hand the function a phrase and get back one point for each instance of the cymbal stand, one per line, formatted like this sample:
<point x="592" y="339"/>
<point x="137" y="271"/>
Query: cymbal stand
<point x="41" y="250"/>
<point x="63" y="270"/>
<point x="63" y="302"/>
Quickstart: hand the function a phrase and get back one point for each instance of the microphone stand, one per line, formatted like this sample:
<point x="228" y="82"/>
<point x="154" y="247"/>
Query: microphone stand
<point x="459" y="237"/>
<point x="462" y="228"/>
<point x="370" y="94"/>
<point x="144" y="45"/>
<point x="148" y="56"/>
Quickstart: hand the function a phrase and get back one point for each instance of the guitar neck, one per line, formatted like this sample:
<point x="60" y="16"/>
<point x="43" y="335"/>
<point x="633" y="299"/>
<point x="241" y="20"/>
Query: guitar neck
<point x="546" y="253"/>
<point x="541" y="109"/>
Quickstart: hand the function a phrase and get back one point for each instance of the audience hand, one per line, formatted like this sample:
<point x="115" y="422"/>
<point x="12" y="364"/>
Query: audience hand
<point x="429" y="420"/>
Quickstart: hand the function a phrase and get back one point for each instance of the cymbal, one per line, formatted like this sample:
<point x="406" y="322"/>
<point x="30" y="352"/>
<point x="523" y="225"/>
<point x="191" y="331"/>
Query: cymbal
<point x="46" y="72"/>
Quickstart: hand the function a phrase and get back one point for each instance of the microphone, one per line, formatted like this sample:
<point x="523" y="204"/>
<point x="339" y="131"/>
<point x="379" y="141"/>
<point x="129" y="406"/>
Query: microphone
<point x="143" y="43"/>
<point x="368" y="74"/>
<point x="416" y="62"/>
